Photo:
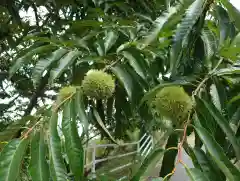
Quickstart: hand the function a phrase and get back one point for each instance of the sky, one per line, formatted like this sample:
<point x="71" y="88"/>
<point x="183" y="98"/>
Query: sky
<point x="236" y="3"/>
<point x="29" y="14"/>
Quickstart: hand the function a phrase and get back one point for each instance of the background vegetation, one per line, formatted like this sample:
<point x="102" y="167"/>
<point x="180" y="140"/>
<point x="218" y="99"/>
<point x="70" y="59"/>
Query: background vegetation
<point x="145" y="45"/>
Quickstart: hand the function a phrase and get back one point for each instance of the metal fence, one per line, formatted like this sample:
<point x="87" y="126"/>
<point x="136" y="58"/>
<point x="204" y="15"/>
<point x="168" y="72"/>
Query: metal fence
<point x="143" y="148"/>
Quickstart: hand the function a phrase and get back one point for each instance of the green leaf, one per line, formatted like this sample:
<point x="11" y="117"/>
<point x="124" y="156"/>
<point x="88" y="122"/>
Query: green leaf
<point x="13" y="128"/>
<point x="196" y="175"/>
<point x="228" y="71"/>
<point x="189" y="151"/>
<point x="223" y="123"/>
<point x="45" y="63"/>
<point x="109" y="111"/>
<point x="100" y="47"/>
<point x="28" y="57"/>
<point x="222" y="92"/>
<point x="206" y="165"/>
<point x="151" y="159"/>
<point x="136" y="61"/>
<point x="210" y="45"/>
<point x="235" y="116"/>
<point x="204" y="117"/>
<point x="124" y="78"/>
<point x="230" y="52"/>
<point x="110" y="40"/>
<point x="224" y="24"/>
<point x="144" y="17"/>
<point x="73" y="144"/>
<point x="101" y="124"/>
<point x="57" y="167"/>
<point x="38" y="37"/>
<point x="125" y="46"/>
<point x="233" y="13"/>
<point x="159" y="24"/>
<point x="238" y="132"/>
<point x="217" y="154"/>
<point x="123" y="112"/>
<point x="215" y="97"/>
<point x="192" y="14"/>
<point x="11" y="159"/>
<point x="38" y="167"/>
<point x="236" y="40"/>
<point x="4" y="107"/>
<point x="63" y="64"/>
<point x="86" y="23"/>
<point x="80" y="109"/>
<point x="234" y="99"/>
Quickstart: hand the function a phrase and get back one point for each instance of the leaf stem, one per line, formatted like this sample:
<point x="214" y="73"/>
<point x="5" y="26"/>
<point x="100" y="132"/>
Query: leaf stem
<point x="24" y="136"/>
<point x="61" y="103"/>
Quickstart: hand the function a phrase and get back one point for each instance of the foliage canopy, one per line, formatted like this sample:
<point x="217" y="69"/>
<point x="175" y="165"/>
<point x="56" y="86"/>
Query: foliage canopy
<point x="146" y="46"/>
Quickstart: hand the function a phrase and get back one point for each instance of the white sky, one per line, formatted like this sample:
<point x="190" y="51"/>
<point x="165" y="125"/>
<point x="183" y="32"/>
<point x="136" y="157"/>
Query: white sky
<point x="236" y="3"/>
<point x="30" y="14"/>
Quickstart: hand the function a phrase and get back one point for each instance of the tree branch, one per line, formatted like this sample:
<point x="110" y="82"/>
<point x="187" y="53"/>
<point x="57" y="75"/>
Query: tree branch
<point x="36" y="15"/>
<point x="33" y="100"/>
<point x="39" y="90"/>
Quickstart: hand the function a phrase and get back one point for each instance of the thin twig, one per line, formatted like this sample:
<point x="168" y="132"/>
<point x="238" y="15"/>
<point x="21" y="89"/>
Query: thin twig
<point x="90" y="138"/>
<point x="195" y="92"/>
<point x="171" y="148"/>
<point x="179" y="148"/>
<point x="30" y="130"/>
<point x="200" y="85"/>
<point x="36" y="15"/>
<point x="183" y="138"/>
<point x="111" y="65"/>
<point x="61" y="103"/>
<point x="169" y="175"/>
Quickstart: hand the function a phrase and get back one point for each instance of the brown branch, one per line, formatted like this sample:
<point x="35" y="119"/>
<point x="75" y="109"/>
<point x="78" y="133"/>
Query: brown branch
<point x="36" y="15"/>
<point x="25" y="136"/>
<point x="39" y="90"/>
<point x="57" y="106"/>
<point x="33" y="100"/>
